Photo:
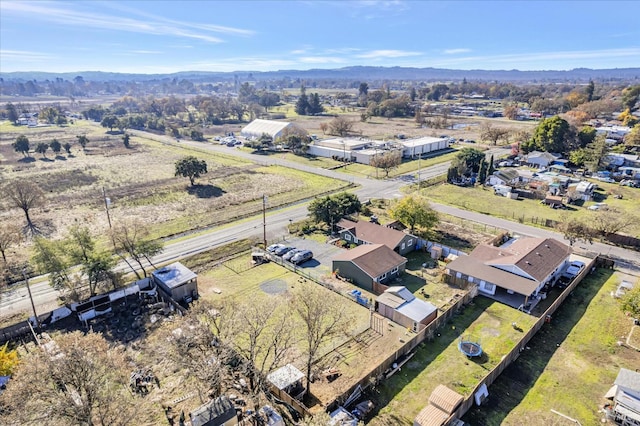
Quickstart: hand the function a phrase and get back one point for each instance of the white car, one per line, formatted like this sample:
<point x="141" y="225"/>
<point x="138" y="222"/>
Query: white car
<point x="598" y="206"/>
<point x="273" y="247"/>
<point x="574" y="268"/>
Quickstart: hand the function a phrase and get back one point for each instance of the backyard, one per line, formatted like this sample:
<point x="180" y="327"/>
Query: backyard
<point x="439" y="361"/>
<point x="572" y="362"/>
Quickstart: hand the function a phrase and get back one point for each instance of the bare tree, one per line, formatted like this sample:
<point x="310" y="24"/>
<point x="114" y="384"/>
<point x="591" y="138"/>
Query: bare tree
<point x="612" y="221"/>
<point x="322" y="321"/>
<point x="75" y="379"/>
<point x="196" y="346"/>
<point x="24" y="195"/>
<point x="132" y="243"/>
<point x="387" y="161"/>
<point x="493" y="134"/>
<point x="340" y="126"/>
<point x="576" y="230"/>
<point x="262" y="335"/>
<point x="9" y="236"/>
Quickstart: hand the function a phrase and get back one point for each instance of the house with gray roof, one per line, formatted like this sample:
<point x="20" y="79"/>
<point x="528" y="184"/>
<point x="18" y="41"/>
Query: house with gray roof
<point x="626" y="398"/>
<point x="522" y="268"/>
<point x="370" y="266"/>
<point x="540" y="159"/>
<point x="504" y="177"/>
<point x="363" y="232"/>
<point x="401" y="306"/>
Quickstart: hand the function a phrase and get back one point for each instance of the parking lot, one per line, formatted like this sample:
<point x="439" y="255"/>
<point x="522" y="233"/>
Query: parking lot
<point x="322" y="253"/>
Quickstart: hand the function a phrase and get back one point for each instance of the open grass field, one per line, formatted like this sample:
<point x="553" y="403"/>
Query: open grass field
<point x="483" y="200"/>
<point x="140" y="182"/>
<point x="440" y="361"/>
<point x="570" y="365"/>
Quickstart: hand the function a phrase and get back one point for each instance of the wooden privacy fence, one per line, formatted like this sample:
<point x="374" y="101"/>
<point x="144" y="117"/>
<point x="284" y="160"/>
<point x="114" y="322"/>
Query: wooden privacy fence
<point x="519" y="347"/>
<point x="378" y="372"/>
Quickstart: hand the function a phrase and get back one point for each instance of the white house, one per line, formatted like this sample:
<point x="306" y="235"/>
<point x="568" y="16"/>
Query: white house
<point x="540" y="159"/>
<point x="504" y="177"/>
<point x="582" y="190"/>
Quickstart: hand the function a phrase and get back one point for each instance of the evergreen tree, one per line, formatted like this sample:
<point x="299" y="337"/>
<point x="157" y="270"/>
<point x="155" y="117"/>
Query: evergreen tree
<point x="315" y="107"/>
<point x="302" y="105"/>
<point x="482" y="173"/>
<point x="491" y="167"/>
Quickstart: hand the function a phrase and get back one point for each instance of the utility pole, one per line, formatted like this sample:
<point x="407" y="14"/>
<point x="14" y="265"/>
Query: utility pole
<point x="107" y="201"/>
<point x="264" y="220"/>
<point x="33" y="306"/>
<point x="419" y="158"/>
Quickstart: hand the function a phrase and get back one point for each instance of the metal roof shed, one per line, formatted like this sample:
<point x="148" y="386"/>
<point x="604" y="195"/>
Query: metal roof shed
<point x="177" y="281"/>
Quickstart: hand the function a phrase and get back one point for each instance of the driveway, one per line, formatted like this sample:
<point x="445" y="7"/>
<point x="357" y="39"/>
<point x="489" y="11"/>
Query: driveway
<point x="322" y="253"/>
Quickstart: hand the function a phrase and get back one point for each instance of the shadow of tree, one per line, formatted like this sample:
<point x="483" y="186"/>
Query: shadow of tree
<point x="61" y="158"/>
<point x="27" y="160"/>
<point x="205" y="191"/>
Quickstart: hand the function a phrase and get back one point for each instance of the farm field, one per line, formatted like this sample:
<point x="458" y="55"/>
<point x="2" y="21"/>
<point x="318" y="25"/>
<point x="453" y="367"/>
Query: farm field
<point x="440" y="362"/>
<point x="140" y="183"/>
<point x="483" y="200"/>
<point x="572" y="362"/>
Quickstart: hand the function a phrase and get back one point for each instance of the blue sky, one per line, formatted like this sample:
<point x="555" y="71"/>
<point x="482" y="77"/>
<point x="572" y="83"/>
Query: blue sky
<point x="162" y="37"/>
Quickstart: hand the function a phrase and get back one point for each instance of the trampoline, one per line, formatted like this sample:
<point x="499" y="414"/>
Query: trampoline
<point x="470" y="347"/>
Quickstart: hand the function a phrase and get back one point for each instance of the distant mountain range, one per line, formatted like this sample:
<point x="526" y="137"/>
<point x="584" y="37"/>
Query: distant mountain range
<point x="362" y="73"/>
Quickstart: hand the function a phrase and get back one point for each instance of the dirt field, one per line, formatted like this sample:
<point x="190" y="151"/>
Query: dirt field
<point x="140" y="182"/>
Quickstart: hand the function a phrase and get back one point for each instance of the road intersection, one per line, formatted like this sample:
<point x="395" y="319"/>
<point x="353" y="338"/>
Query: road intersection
<point x="15" y="300"/>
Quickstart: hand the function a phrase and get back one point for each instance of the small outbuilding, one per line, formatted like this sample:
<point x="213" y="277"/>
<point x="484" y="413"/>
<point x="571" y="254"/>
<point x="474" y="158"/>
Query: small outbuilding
<point x="218" y="412"/>
<point x="177" y="281"/>
<point x="402" y="307"/>
<point x="287" y="379"/>
<point x="443" y="402"/>
<point x="626" y="398"/>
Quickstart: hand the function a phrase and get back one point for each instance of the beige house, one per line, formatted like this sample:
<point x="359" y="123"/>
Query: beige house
<point x="524" y="267"/>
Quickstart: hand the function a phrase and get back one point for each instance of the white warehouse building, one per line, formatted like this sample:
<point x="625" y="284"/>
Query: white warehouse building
<point x="424" y="145"/>
<point x="258" y="127"/>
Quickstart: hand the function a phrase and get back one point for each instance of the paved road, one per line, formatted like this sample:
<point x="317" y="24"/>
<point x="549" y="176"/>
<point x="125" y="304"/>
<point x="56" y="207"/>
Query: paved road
<point x="16" y="300"/>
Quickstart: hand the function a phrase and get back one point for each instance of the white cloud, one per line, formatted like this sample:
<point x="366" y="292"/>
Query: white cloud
<point x="514" y="60"/>
<point x="321" y="60"/>
<point x="455" y="51"/>
<point x="160" y="26"/>
<point x="382" y="54"/>
<point x="147" y="52"/>
<point x="23" y="56"/>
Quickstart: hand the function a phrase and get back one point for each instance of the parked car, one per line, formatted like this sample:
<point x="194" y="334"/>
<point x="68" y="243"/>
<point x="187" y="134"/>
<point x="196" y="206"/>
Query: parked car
<point x="606" y="179"/>
<point x="302" y="257"/>
<point x="273" y="247"/>
<point x="598" y="206"/>
<point x="280" y="251"/>
<point x="288" y="255"/>
<point x="574" y="268"/>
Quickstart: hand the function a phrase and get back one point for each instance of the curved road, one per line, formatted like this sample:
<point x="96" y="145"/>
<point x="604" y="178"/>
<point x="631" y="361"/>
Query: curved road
<point x="45" y="297"/>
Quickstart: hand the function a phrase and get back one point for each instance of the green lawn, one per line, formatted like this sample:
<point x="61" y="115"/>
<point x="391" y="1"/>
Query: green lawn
<point x="440" y="361"/>
<point x="532" y="212"/>
<point x="570" y="365"/>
